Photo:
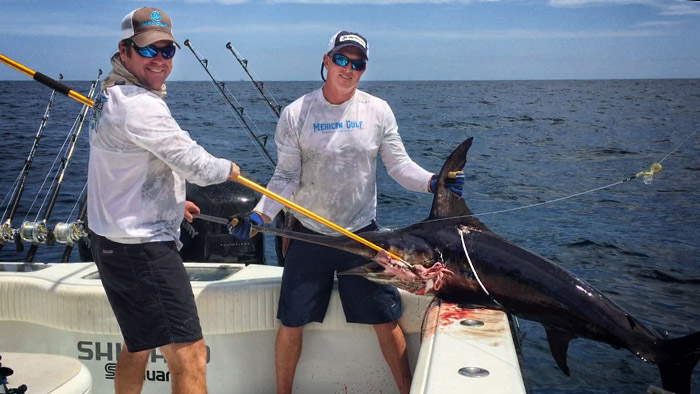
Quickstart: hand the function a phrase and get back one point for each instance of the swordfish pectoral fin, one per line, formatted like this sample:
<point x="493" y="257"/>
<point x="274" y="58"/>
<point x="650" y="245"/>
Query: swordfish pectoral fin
<point x="559" y="346"/>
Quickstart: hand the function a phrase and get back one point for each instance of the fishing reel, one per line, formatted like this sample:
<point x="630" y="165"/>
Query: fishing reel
<point x="34" y="232"/>
<point x="69" y="233"/>
<point x="6" y="233"/>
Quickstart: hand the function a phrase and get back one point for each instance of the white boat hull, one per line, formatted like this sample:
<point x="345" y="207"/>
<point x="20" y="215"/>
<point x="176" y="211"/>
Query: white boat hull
<point x="63" y="310"/>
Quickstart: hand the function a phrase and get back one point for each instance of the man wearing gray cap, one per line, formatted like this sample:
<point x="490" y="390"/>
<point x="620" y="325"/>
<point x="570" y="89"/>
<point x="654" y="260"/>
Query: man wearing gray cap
<point x="139" y="161"/>
<point x="328" y="142"/>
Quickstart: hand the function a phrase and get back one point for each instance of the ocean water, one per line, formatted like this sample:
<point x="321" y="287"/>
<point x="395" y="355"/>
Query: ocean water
<point x="534" y="142"/>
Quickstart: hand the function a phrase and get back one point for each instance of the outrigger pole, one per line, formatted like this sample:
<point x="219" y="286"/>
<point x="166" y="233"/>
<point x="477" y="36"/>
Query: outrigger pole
<point x="276" y="108"/>
<point x="289" y="204"/>
<point x="37" y="232"/>
<point x="237" y="109"/>
<point x="6" y="232"/>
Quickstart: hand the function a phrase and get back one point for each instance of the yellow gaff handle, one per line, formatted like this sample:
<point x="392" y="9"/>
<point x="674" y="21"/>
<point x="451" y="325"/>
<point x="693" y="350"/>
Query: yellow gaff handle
<point x="306" y="212"/>
<point x="46" y="80"/>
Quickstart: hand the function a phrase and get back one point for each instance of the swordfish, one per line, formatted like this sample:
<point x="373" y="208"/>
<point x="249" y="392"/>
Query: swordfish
<point x="455" y="257"/>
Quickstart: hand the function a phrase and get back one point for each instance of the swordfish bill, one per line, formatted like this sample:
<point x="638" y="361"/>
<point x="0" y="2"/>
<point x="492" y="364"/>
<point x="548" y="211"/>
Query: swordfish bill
<point x="490" y="271"/>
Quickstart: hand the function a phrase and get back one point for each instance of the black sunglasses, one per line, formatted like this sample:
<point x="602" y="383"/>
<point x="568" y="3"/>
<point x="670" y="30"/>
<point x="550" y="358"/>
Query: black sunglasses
<point x="151" y="51"/>
<point x="343" y="61"/>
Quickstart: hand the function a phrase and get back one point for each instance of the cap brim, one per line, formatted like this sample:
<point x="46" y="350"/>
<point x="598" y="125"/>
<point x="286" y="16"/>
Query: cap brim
<point x="350" y="44"/>
<point x="149" y="37"/>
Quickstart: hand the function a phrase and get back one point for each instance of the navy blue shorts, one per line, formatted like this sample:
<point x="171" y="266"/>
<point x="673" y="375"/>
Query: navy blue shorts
<point x="307" y="283"/>
<point x="149" y="291"/>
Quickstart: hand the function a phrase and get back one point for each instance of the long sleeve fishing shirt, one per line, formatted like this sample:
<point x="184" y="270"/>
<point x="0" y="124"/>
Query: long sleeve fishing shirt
<point x="327" y="159"/>
<point x="139" y="161"/>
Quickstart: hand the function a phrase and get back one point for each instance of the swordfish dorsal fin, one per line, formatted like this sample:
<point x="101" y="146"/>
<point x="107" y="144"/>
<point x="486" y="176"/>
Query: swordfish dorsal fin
<point x="445" y="203"/>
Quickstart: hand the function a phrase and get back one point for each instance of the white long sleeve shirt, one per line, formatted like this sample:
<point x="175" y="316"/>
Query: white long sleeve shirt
<point x="139" y="161"/>
<point x="327" y="159"/>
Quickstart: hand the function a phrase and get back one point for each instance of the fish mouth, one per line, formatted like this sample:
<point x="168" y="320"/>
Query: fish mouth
<point x="416" y="279"/>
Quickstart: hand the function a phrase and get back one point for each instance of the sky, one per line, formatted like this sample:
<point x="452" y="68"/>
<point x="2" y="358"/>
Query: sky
<point x="284" y="40"/>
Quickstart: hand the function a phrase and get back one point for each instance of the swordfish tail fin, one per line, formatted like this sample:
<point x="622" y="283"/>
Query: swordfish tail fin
<point x="682" y="356"/>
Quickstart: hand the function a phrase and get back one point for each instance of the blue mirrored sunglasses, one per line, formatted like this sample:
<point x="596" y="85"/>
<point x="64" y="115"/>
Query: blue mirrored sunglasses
<point x="151" y="51"/>
<point x="343" y="61"/>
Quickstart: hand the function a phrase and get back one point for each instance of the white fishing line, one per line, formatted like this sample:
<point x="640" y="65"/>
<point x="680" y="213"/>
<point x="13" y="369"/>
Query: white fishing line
<point x="77" y="202"/>
<point x="642" y="174"/>
<point x="462" y="230"/>
<point x="679" y="145"/>
<point x="265" y="93"/>
<point x="10" y="194"/>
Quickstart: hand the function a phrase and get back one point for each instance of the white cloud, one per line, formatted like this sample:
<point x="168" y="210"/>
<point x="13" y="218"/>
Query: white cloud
<point x="529" y="34"/>
<point x="55" y="30"/>
<point x="583" y="3"/>
<point x="658" y="24"/>
<point x="341" y="2"/>
<point x="682" y="9"/>
<point x="665" y="7"/>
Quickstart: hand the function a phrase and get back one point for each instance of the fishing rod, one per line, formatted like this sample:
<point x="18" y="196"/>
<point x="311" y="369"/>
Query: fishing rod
<point x="39" y="230"/>
<point x="36" y="232"/>
<point x="70" y="233"/>
<point x="6" y="232"/>
<point x="237" y="109"/>
<point x="281" y="216"/>
<point x="276" y="108"/>
<point x="289" y="204"/>
<point x="298" y="208"/>
<point x="46" y="80"/>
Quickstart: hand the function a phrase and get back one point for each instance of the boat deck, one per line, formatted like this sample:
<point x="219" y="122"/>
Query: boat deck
<point x="61" y="309"/>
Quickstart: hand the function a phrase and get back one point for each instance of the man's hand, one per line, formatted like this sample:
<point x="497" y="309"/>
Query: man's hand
<point x="191" y="209"/>
<point x="234" y="172"/>
<point x="241" y="226"/>
<point x="454" y="182"/>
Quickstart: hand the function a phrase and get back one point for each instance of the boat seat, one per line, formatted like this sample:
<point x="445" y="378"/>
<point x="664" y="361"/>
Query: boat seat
<point x="47" y="373"/>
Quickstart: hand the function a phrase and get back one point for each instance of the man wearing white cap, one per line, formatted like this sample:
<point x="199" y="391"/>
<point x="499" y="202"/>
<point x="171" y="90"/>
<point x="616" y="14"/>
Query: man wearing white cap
<point x="139" y="161"/>
<point x="327" y="143"/>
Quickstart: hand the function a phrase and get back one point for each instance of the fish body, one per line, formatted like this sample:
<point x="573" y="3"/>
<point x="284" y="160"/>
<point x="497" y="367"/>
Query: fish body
<point x="490" y="271"/>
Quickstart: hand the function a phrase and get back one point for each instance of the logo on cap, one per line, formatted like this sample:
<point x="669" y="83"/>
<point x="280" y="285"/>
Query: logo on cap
<point x="352" y="37"/>
<point x="156" y="20"/>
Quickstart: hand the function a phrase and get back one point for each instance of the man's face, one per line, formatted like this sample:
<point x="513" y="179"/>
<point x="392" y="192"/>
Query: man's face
<point x="344" y="77"/>
<point x="151" y="72"/>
